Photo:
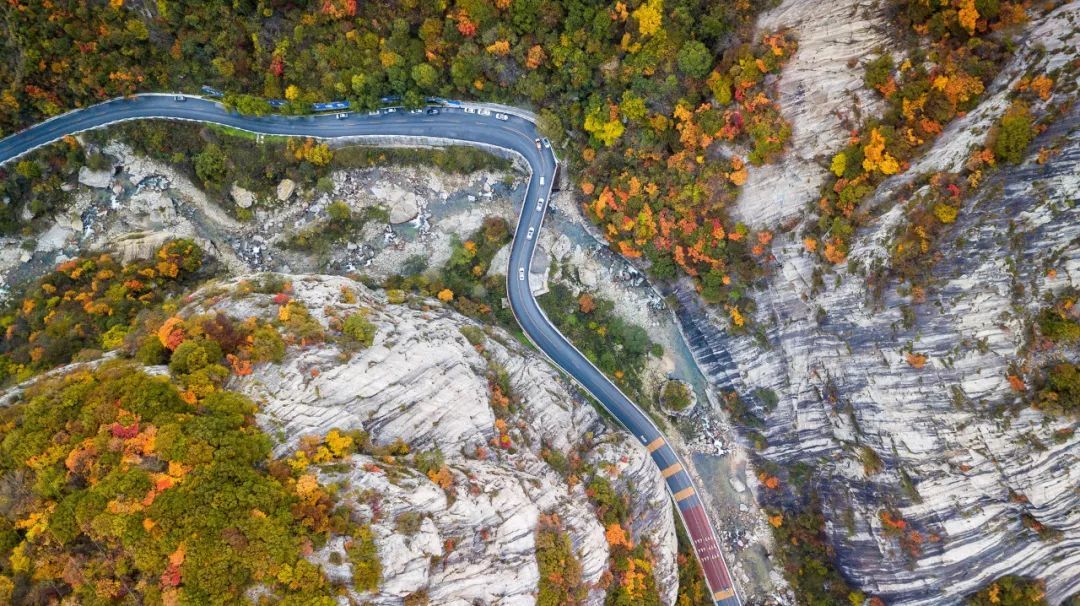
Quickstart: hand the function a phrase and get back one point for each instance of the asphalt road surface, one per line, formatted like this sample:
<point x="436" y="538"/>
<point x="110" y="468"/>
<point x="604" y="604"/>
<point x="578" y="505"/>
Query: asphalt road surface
<point x="462" y="125"/>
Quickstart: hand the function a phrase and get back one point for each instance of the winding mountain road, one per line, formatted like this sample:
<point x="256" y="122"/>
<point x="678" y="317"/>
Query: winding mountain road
<point x="461" y="125"/>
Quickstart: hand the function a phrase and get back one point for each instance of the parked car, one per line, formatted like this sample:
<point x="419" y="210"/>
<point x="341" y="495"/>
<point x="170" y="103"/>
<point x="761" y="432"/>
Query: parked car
<point x="547" y="143"/>
<point x="521" y="273"/>
<point x="180" y="98"/>
<point x="342" y="115"/>
<point x="470" y="110"/>
<point x="390" y="110"/>
<point x="502" y="117"/>
<point x="529" y="235"/>
<point x="484" y="112"/>
<point x="432" y="112"/>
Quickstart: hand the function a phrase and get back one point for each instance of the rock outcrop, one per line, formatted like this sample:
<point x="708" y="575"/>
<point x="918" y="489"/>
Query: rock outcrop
<point x="968" y="479"/>
<point x="423" y="382"/>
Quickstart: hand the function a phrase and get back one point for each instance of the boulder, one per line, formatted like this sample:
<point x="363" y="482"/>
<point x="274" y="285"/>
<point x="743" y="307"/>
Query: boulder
<point x="242" y="197"/>
<point x="562" y="247"/>
<point x="94" y="178"/>
<point x="286" y="189"/>
<point x="404" y="209"/>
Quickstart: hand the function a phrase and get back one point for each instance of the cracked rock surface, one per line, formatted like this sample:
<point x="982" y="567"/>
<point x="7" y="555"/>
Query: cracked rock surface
<point x="961" y="472"/>
<point x="423" y="382"/>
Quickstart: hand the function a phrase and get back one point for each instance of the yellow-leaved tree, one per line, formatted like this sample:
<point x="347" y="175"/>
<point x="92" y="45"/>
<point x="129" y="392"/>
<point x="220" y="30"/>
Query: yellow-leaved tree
<point x="876" y="158"/>
<point x="649" y="17"/>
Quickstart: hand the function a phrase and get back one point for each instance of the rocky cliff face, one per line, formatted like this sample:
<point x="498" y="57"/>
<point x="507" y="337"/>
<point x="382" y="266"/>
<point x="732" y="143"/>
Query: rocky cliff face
<point x="424" y="383"/>
<point x="963" y="474"/>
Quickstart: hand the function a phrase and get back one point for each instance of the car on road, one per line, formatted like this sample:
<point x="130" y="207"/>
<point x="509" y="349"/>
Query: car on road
<point x="179" y="98"/>
<point x="540" y="204"/>
<point x="547" y="144"/>
<point x="416" y="111"/>
<point x="502" y="117"/>
<point x="432" y="112"/>
<point x="342" y="115"/>
<point x="521" y="273"/>
<point x="537" y="141"/>
<point x="374" y="113"/>
<point x="541" y="180"/>
<point x="529" y="235"/>
<point x="470" y="110"/>
<point x="389" y="110"/>
<point x="484" y="112"/>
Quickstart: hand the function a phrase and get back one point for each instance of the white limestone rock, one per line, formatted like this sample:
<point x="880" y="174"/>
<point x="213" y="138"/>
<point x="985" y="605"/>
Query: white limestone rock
<point x="243" y="198"/>
<point x="285" y="189"/>
<point x="818" y="89"/>
<point x="423" y="382"/>
<point x="843" y="382"/>
<point x="404" y="205"/>
<point x="98" y="179"/>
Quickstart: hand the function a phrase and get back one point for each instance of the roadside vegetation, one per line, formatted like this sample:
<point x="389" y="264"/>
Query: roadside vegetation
<point x="692" y="588"/>
<point x="32" y="188"/>
<point x="618" y="348"/>
<point x="465" y="281"/>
